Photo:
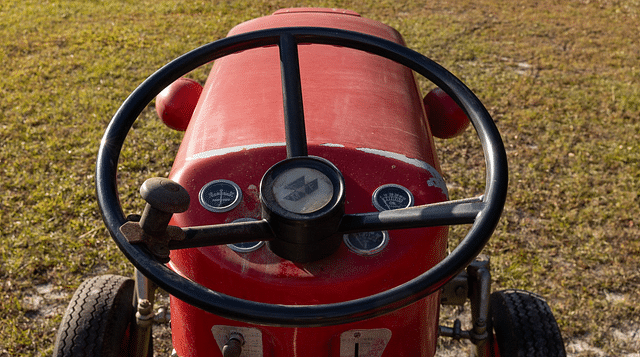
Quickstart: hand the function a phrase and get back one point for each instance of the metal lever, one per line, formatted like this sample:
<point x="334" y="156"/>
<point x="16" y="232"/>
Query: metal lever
<point x="164" y="198"/>
<point x="478" y="288"/>
<point x="233" y="347"/>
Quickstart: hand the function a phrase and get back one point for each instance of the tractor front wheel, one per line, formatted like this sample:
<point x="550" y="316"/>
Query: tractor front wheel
<point x="524" y="325"/>
<point x="98" y="318"/>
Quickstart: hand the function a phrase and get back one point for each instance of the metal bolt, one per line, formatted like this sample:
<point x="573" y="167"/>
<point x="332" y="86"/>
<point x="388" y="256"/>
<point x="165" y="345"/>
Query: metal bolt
<point x="144" y="306"/>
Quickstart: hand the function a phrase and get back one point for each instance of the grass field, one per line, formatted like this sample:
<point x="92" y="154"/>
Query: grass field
<point x="561" y="79"/>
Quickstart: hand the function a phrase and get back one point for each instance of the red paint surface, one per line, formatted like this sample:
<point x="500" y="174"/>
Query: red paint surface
<point x="352" y="100"/>
<point x="176" y="103"/>
<point x="446" y="118"/>
<point x="350" y="97"/>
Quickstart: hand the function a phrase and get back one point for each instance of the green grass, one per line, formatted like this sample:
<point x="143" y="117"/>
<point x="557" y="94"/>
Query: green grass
<point x="562" y="80"/>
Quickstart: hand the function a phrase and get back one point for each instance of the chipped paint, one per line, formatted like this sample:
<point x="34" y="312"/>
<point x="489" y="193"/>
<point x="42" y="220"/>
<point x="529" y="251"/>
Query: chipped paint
<point x="224" y="151"/>
<point x="435" y="181"/>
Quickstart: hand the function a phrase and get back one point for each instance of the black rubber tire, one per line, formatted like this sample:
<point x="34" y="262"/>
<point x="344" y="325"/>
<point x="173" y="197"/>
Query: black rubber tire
<point x="97" y="319"/>
<point x="524" y="325"/>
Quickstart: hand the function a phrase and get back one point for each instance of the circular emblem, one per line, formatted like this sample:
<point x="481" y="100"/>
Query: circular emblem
<point x="392" y="196"/>
<point x="220" y="196"/>
<point x="367" y="243"/>
<point x="302" y="190"/>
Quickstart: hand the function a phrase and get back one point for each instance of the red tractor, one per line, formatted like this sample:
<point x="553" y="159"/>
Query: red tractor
<point x="305" y="213"/>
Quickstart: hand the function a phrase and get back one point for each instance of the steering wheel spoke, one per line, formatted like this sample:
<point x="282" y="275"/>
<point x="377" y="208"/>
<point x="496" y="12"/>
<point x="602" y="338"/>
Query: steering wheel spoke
<point x="296" y="137"/>
<point x="436" y="214"/>
<point x="220" y="234"/>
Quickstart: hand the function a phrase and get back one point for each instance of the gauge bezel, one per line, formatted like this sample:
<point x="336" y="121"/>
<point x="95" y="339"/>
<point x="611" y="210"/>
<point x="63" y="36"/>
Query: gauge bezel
<point x="255" y="244"/>
<point x="392" y="185"/>
<point x="222" y="209"/>
<point x="316" y="163"/>
<point x="366" y="252"/>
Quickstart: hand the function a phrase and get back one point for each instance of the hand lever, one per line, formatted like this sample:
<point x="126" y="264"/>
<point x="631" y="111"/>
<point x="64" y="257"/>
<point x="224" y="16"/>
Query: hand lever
<point x="164" y="198"/>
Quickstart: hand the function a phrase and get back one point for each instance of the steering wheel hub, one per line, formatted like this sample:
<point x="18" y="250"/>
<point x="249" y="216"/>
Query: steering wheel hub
<point x="303" y="200"/>
<point x="302" y="190"/>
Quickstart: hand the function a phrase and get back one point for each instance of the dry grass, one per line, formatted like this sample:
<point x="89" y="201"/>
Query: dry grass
<point x="561" y="79"/>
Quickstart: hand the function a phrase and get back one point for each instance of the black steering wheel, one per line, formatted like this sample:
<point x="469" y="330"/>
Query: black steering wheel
<point x="482" y="212"/>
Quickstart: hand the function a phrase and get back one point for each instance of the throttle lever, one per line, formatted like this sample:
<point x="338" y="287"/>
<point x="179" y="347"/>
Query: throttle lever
<point x="164" y="198"/>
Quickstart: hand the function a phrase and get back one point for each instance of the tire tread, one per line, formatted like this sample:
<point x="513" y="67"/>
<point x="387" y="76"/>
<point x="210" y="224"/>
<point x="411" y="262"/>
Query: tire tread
<point x="96" y="318"/>
<point x="524" y="325"/>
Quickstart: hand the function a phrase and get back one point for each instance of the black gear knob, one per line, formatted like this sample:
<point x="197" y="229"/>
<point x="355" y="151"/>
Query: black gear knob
<point x="164" y="198"/>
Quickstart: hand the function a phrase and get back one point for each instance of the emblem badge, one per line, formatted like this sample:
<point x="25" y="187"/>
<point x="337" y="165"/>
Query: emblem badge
<point x="220" y="196"/>
<point x="302" y="190"/>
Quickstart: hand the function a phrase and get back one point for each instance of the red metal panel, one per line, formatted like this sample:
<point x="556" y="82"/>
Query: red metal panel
<point x="350" y="97"/>
<point x="342" y="276"/>
<point x="410" y="337"/>
<point x="365" y="115"/>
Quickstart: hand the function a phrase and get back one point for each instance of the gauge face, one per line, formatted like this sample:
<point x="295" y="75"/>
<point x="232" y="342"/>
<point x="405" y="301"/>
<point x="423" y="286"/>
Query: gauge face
<point x="220" y="196"/>
<point x="367" y="243"/>
<point x="392" y="196"/>
<point x="302" y="190"/>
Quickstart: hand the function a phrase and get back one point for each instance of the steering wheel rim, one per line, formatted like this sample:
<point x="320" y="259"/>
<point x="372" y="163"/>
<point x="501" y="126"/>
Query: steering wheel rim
<point x="484" y="211"/>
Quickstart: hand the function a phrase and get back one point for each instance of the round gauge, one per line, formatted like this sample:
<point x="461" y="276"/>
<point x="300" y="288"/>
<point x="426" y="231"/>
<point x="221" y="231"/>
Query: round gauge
<point x="392" y="196"/>
<point x="220" y="196"/>
<point x="302" y="190"/>
<point x="367" y="243"/>
<point x="245" y="247"/>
